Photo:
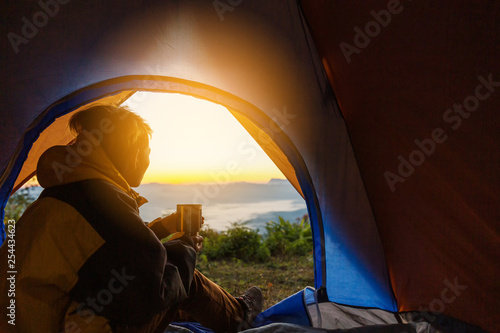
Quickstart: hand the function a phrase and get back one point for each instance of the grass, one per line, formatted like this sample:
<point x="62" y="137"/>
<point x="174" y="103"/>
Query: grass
<point x="278" y="278"/>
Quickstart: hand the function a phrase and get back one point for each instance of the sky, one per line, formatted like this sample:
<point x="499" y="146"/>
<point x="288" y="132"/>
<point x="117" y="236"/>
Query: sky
<point x="196" y="141"/>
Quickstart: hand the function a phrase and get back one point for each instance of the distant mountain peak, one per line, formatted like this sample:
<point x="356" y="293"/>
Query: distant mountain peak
<point x="277" y="181"/>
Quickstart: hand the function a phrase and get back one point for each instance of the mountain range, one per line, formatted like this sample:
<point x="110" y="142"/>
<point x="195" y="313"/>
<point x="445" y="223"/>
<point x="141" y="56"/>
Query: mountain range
<point x="224" y="203"/>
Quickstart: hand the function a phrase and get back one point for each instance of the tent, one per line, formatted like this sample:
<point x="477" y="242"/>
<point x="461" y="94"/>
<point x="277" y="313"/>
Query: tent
<point x="383" y="114"/>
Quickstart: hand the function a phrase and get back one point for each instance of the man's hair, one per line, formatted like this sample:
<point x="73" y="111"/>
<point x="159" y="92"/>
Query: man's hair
<point x="111" y="121"/>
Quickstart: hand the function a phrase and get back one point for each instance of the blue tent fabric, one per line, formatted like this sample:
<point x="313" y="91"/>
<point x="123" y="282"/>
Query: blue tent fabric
<point x="290" y="310"/>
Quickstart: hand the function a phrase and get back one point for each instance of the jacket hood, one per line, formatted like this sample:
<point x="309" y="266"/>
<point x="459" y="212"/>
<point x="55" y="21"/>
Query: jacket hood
<point x="81" y="160"/>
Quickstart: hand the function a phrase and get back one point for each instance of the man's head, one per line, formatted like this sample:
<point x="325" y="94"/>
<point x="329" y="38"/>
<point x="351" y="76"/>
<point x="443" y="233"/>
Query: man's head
<point x="123" y="135"/>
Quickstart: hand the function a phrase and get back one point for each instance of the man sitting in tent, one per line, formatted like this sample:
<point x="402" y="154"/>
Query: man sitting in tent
<point x="88" y="263"/>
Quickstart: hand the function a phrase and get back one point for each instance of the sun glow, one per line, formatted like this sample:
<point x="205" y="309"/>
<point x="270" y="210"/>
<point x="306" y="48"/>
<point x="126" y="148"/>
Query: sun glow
<point x="196" y="141"/>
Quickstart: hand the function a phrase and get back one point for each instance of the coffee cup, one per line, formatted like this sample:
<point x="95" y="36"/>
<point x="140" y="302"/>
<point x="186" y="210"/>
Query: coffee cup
<point x="190" y="219"/>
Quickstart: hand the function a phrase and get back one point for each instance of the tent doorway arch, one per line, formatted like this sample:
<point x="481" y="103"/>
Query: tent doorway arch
<point x="50" y="128"/>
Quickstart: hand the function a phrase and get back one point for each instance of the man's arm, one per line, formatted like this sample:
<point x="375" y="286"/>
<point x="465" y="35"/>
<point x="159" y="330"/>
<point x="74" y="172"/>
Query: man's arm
<point x="164" y="226"/>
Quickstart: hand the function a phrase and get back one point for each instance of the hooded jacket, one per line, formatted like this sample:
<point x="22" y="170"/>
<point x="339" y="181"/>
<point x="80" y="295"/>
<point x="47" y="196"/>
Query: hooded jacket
<point x="85" y="260"/>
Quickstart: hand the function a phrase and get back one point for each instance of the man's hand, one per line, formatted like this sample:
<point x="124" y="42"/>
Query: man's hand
<point x="198" y="243"/>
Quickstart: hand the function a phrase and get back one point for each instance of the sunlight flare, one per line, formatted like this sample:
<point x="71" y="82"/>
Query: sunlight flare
<point x="196" y="141"/>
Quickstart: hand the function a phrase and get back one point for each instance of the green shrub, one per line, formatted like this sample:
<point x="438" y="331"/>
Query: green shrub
<point x="239" y="241"/>
<point x="16" y="205"/>
<point x="287" y="238"/>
